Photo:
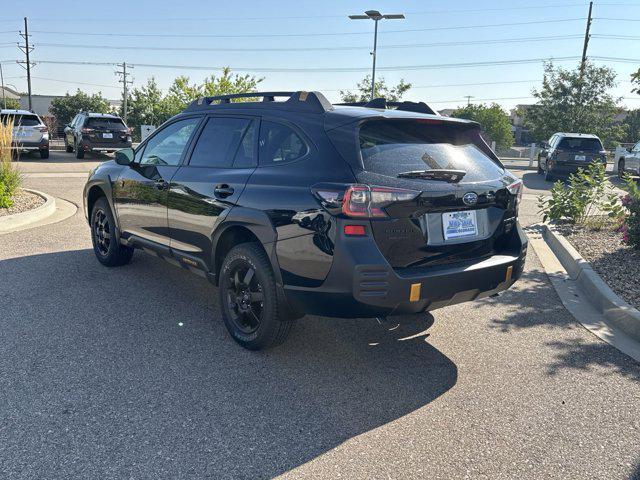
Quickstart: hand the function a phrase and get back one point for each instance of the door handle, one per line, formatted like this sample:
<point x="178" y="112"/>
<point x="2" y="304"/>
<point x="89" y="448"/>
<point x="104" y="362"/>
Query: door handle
<point x="223" y="190"/>
<point x="161" y="185"/>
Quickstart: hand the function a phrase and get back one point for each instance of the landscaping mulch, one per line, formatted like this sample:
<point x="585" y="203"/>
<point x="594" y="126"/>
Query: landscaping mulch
<point x="22" y="202"/>
<point x="617" y="263"/>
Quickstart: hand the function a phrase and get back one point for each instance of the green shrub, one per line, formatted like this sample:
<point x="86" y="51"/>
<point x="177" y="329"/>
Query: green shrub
<point x="586" y="199"/>
<point x="631" y="226"/>
<point x="10" y="178"/>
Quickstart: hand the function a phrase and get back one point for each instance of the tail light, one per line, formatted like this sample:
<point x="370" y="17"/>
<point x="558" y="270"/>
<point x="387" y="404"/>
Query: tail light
<point x="516" y="189"/>
<point x="43" y="129"/>
<point x="363" y="201"/>
<point x="86" y="130"/>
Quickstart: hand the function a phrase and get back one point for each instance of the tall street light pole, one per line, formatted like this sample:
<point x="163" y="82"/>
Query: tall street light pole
<point x="376" y="16"/>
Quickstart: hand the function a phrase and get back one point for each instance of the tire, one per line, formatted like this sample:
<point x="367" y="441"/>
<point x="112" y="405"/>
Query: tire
<point x="621" y="170"/>
<point x="106" y="246"/>
<point x="259" y="322"/>
<point x="68" y="148"/>
<point x="79" y="151"/>
<point x="44" y="153"/>
<point x="548" y="176"/>
<point x="539" y="167"/>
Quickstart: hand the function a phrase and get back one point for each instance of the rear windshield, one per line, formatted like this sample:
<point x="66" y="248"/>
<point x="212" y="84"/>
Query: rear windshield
<point x="390" y="147"/>
<point x="21" y="120"/>
<point x="105" y="123"/>
<point x="579" y="144"/>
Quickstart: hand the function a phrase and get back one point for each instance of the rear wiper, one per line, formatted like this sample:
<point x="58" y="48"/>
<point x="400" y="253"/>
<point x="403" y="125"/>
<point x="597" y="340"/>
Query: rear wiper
<point x="451" y="176"/>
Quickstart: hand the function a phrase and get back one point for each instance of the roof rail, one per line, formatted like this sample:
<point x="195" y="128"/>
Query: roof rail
<point x="406" y="106"/>
<point x="314" y="102"/>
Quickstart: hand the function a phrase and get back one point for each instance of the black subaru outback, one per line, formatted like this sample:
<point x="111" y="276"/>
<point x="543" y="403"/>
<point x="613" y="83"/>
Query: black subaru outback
<point x="303" y="207"/>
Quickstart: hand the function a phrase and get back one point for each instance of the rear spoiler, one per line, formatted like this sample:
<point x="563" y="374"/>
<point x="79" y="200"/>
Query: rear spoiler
<point x="383" y="103"/>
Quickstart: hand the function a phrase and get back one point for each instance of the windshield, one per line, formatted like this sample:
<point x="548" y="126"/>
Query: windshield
<point x="21" y="120"/>
<point x="580" y="144"/>
<point x="105" y="123"/>
<point x="390" y="147"/>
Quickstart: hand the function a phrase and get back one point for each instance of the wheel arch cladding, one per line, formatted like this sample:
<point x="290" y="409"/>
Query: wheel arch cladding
<point x="94" y="193"/>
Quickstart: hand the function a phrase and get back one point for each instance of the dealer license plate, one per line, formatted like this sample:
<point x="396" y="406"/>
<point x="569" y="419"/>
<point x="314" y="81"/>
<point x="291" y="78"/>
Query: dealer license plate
<point x="459" y="224"/>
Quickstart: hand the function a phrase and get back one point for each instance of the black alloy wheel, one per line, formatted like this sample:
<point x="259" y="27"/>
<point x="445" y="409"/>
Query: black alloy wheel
<point x="101" y="231"/>
<point x="245" y="297"/>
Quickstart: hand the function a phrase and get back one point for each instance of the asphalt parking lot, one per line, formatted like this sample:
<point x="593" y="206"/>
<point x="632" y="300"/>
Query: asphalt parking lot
<point x="129" y="373"/>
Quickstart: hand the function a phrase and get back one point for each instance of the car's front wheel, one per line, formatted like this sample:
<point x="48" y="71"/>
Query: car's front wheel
<point x="539" y="167"/>
<point x="548" y="176"/>
<point x="68" y="148"/>
<point x="106" y="246"/>
<point x="248" y="299"/>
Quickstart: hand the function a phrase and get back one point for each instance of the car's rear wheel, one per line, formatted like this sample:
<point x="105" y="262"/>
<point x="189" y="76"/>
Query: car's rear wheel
<point x="621" y="169"/>
<point x="44" y="153"/>
<point x="249" y="301"/>
<point x="79" y="151"/>
<point x="106" y="244"/>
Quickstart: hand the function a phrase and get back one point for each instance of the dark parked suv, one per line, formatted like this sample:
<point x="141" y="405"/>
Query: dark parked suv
<point x="302" y="207"/>
<point x="565" y="153"/>
<point x="96" y="132"/>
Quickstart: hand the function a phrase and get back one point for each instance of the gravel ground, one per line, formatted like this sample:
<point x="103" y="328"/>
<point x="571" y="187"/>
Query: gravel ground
<point x="617" y="263"/>
<point x="23" y="201"/>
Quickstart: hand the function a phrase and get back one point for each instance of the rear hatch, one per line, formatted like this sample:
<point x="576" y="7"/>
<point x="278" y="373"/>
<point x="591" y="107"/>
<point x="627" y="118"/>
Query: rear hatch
<point x="26" y="128"/>
<point x="578" y="150"/>
<point x="460" y="202"/>
<point x="106" y="131"/>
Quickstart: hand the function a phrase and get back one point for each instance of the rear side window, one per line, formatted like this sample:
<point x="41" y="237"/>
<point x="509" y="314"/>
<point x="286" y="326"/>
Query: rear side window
<point x="280" y="144"/>
<point x="225" y="142"/>
<point x="390" y="147"/>
<point x="105" y="123"/>
<point x="579" y="144"/>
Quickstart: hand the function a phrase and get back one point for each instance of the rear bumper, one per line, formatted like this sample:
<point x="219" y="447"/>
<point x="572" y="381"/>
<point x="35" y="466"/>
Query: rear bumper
<point x="31" y="146"/>
<point x="567" y="168"/>
<point x="357" y="288"/>
<point x="104" y="146"/>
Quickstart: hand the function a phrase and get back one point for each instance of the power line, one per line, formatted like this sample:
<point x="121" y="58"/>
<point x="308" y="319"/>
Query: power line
<point x="298" y="49"/>
<point x="72" y="82"/>
<point x="267" y="35"/>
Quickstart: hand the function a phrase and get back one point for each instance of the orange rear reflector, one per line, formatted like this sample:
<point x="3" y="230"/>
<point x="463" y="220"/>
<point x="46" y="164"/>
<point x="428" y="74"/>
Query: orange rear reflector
<point x="414" y="295"/>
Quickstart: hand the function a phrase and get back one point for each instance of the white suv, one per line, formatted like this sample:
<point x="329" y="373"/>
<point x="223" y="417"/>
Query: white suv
<point x="630" y="162"/>
<point x="29" y="132"/>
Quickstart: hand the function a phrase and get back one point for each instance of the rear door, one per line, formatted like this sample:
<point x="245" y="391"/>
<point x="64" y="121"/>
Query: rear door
<point x="210" y="183"/>
<point x="140" y="192"/>
<point x="448" y="219"/>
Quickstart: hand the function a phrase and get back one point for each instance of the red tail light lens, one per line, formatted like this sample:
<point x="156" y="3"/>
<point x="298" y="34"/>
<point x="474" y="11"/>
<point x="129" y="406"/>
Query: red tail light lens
<point x="355" y="230"/>
<point x="516" y="189"/>
<point x="87" y="130"/>
<point x="369" y="202"/>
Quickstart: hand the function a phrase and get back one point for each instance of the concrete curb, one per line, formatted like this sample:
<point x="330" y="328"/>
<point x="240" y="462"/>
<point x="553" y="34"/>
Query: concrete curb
<point x="17" y="221"/>
<point x="609" y="304"/>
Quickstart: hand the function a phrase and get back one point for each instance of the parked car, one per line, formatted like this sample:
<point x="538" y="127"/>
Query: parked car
<point x="96" y="132"/>
<point x="629" y="163"/>
<point x="564" y="153"/>
<point x="30" y="134"/>
<point x="302" y="207"/>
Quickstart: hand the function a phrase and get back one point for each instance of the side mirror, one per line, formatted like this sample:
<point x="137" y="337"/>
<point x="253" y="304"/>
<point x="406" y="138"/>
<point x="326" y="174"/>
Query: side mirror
<point x="125" y="156"/>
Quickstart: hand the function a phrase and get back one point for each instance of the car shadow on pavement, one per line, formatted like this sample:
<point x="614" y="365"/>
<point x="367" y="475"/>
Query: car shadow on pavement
<point x="533" y="303"/>
<point x="60" y="156"/>
<point x="129" y="372"/>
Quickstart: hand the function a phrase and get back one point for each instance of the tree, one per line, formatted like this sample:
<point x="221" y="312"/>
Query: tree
<point x="229" y="83"/>
<point x="65" y="108"/>
<point x="570" y="102"/>
<point x="493" y="119"/>
<point x="381" y="90"/>
<point x="10" y="103"/>
<point x="635" y="79"/>
<point x="632" y="126"/>
<point x="146" y="107"/>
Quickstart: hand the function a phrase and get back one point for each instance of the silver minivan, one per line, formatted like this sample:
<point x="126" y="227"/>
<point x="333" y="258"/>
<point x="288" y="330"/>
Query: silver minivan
<point x="29" y="131"/>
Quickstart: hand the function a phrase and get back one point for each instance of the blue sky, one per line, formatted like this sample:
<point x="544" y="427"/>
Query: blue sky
<point x="262" y="32"/>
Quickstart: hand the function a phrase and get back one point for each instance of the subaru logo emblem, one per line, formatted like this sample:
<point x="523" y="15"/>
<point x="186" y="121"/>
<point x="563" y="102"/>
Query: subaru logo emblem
<point x="470" y="198"/>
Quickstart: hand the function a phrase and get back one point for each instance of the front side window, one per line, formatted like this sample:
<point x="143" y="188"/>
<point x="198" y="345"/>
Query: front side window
<point x="166" y="146"/>
<point x="279" y="144"/>
<point x="222" y="141"/>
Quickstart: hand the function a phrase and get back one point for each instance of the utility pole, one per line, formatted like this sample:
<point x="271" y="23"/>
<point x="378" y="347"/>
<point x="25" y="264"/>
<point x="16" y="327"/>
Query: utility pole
<point x="468" y="97"/>
<point x="4" y="100"/>
<point x="586" y="41"/>
<point x="26" y="49"/>
<point x="125" y="87"/>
